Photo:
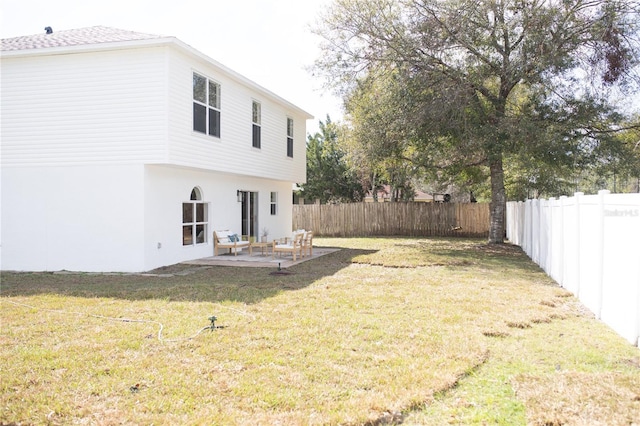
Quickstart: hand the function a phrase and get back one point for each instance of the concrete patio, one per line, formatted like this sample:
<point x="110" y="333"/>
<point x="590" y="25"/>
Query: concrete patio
<point x="259" y="260"/>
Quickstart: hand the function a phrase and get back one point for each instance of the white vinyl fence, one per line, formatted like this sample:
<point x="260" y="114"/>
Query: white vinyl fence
<point x="590" y="244"/>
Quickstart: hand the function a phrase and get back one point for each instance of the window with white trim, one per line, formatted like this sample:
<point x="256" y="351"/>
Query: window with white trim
<point x="194" y="220"/>
<point x="206" y="106"/>
<point x="274" y="203"/>
<point x="256" y="119"/>
<point x="290" y="137"/>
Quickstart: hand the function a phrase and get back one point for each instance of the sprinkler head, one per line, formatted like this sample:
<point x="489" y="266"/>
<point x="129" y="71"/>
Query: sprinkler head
<point x="213" y="322"/>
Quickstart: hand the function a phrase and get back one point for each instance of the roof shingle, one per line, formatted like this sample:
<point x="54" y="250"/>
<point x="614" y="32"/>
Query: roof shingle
<point x="76" y="37"/>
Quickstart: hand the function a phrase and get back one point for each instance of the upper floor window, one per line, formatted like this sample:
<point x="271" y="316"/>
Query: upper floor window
<point x="206" y="106"/>
<point x="194" y="219"/>
<point x="256" y="124"/>
<point x="290" y="137"/>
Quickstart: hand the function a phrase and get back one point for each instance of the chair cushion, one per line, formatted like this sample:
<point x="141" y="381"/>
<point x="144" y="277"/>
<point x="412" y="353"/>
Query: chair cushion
<point x="224" y="236"/>
<point x="296" y="233"/>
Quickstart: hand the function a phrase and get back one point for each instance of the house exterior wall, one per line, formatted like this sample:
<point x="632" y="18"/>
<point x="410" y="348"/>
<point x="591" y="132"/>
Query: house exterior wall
<point x="114" y="217"/>
<point x="233" y="151"/>
<point x="76" y="131"/>
<point x="135" y="106"/>
<point x="98" y="153"/>
<point x="84" y="108"/>
<point x="76" y="218"/>
<point x="163" y="209"/>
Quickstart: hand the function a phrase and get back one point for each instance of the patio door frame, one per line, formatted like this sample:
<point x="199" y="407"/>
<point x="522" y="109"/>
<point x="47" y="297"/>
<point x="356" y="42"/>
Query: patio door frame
<point x="249" y="214"/>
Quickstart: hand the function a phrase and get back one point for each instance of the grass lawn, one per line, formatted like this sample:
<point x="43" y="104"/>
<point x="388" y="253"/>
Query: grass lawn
<point x="384" y="331"/>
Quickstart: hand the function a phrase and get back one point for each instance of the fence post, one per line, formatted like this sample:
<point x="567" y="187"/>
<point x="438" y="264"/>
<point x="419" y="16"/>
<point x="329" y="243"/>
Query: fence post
<point x="638" y="317"/>
<point x="545" y="235"/>
<point x="550" y="249"/>
<point x="560" y="229"/>
<point x="528" y="225"/>
<point x="600" y="248"/>
<point x="577" y="247"/>
<point x="535" y="230"/>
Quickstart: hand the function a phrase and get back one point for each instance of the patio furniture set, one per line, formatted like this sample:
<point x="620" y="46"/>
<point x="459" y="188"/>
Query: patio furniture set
<point x="299" y="244"/>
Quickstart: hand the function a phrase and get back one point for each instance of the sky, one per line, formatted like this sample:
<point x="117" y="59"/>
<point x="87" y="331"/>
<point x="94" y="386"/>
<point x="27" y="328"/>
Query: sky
<point x="267" y="41"/>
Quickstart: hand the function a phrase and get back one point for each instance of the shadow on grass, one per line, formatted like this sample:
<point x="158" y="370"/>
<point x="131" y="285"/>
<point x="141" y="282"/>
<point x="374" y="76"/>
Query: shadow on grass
<point x="450" y="253"/>
<point x="476" y="252"/>
<point x="180" y="282"/>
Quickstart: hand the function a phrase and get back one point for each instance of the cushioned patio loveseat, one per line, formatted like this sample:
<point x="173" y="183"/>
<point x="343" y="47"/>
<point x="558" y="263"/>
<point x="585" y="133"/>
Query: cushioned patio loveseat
<point x="229" y="240"/>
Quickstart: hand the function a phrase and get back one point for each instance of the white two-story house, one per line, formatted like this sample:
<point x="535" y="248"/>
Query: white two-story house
<point x="123" y="151"/>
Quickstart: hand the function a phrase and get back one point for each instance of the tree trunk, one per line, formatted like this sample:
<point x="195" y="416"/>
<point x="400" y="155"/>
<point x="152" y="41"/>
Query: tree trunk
<point x="374" y="190"/>
<point x="498" y="201"/>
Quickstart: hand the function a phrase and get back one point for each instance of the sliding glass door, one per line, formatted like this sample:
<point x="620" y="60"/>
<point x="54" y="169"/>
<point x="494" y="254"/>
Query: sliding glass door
<point x="250" y="214"/>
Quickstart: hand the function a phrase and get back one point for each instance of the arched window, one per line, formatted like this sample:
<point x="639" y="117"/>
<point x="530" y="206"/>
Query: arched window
<point x="195" y="218"/>
<point x="195" y="194"/>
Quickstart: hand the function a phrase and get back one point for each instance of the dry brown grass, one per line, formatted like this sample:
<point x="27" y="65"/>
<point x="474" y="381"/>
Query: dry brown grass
<point x="565" y="398"/>
<point x="417" y="331"/>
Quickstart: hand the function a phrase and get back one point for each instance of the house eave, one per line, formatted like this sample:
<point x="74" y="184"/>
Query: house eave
<point x="84" y="48"/>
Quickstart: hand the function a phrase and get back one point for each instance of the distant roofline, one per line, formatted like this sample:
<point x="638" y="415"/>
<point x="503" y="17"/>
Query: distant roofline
<point x="144" y="41"/>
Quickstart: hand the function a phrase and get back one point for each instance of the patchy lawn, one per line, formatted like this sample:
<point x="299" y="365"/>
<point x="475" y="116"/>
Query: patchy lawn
<point x="385" y="331"/>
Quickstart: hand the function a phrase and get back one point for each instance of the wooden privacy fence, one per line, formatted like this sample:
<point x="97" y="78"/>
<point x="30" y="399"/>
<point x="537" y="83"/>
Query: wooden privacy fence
<point x="394" y="219"/>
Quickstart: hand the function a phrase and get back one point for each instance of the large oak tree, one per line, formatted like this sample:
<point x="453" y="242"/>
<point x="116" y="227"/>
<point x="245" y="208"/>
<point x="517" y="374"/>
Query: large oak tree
<point x="477" y="82"/>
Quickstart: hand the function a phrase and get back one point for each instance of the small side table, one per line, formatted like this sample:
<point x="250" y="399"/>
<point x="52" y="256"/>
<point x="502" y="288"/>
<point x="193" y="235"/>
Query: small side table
<point x="263" y="245"/>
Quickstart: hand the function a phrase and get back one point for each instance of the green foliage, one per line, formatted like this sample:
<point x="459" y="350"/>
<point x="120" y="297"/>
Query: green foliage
<point x="329" y="178"/>
<point x="513" y="87"/>
<point x="378" y="142"/>
<point x="616" y="161"/>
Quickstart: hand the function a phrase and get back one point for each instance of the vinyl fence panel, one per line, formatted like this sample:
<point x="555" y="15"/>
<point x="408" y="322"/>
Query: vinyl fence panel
<point x="590" y="244"/>
<point x="621" y="263"/>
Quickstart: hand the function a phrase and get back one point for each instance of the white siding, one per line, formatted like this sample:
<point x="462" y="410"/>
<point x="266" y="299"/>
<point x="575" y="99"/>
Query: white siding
<point x="135" y="106"/>
<point x="104" y="107"/>
<point x="233" y="151"/>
